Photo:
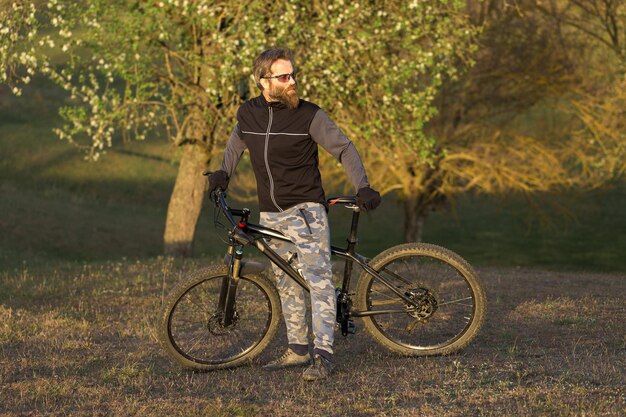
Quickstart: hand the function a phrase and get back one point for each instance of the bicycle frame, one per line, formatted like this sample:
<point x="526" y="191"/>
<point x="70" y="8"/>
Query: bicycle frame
<point x="245" y="234"/>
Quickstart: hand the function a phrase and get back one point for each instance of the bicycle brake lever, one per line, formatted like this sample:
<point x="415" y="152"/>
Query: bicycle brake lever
<point x="214" y="195"/>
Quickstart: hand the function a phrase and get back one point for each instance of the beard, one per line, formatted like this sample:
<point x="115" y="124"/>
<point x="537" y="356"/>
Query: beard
<point x="286" y="95"/>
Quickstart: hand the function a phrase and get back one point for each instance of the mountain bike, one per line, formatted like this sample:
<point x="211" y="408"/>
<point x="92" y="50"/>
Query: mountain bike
<point x="415" y="299"/>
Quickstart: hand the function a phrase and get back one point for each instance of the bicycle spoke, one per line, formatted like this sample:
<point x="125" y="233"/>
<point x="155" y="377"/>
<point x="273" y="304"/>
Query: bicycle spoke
<point x="198" y="332"/>
<point x="193" y="347"/>
<point x="443" y="302"/>
<point x="458" y="302"/>
<point x="198" y="304"/>
<point x="190" y="321"/>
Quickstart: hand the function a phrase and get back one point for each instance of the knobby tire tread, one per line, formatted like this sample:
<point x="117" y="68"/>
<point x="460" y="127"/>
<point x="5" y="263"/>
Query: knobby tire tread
<point x="198" y="277"/>
<point x="442" y="254"/>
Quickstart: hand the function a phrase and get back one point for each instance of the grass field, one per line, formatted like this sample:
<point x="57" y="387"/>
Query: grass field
<point x="81" y="340"/>
<point x="81" y="283"/>
<point x="56" y="206"/>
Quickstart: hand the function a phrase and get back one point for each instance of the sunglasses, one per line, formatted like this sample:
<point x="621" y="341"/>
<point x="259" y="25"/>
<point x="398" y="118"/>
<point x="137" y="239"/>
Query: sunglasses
<point x="283" y="78"/>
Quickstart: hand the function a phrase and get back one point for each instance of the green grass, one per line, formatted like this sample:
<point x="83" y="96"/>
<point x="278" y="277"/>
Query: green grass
<point x="56" y="206"/>
<point x="81" y="286"/>
<point x="506" y="232"/>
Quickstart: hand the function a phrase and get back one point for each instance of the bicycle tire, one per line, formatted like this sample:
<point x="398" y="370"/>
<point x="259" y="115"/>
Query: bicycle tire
<point x="447" y="288"/>
<point x="190" y="329"/>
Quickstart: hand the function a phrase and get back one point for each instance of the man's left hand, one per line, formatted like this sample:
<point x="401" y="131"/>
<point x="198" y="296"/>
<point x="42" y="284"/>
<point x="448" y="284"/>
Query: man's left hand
<point x="367" y="199"/>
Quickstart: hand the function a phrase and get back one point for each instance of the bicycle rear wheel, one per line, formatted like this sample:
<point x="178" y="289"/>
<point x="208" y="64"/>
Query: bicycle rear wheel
<point x="192" y="329"/>
<point x="451" y="301"/>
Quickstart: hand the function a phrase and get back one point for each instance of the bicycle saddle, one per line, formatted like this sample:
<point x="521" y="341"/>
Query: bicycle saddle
<point x="341" y="200"/>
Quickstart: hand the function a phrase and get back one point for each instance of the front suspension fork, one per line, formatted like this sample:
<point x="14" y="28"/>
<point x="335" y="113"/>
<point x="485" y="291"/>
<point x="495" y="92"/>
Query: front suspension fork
<point x="228" y="290"/>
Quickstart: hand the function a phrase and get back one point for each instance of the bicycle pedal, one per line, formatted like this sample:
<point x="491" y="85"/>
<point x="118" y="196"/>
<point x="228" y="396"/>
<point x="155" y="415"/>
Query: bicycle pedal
<point x="351" y="327"/>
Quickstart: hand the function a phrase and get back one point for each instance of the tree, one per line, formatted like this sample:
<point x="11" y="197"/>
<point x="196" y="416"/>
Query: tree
<point x="131" y="67"/>
<point x="595" y="30"/>
<point x="390" y="63"/>
<point x="184" y="65"/>
<point x="519" y="119"/>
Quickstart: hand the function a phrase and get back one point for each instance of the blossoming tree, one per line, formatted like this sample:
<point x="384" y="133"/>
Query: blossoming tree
<point x="184" y="65"/>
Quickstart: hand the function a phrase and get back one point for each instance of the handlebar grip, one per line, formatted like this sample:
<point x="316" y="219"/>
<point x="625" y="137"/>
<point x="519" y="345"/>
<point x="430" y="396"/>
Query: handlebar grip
<point x="220" y="201"/>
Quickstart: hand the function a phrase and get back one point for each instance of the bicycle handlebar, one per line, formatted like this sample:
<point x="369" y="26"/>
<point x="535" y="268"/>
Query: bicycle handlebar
<point x="220" y="201"/>
<point x="219" y="197"/>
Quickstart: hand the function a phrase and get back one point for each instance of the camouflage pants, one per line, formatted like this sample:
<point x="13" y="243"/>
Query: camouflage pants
<point x="306" y="225"/>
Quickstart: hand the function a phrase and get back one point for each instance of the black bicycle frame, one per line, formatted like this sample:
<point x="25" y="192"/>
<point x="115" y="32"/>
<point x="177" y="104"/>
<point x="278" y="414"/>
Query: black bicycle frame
<point x="244" y="234"/>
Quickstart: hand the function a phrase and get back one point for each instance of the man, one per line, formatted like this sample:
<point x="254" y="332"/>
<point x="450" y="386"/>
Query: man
<point x="281" y="133"/>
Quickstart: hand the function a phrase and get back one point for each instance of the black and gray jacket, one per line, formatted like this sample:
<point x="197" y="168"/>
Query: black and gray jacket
<point x="283" y="151"/>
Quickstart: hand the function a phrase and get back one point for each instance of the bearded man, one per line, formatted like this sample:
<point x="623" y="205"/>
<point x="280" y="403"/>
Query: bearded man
<point x="282" y="134"/>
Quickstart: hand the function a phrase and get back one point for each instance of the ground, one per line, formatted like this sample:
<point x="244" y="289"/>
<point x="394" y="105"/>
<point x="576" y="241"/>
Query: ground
<point x="80" y="339"/>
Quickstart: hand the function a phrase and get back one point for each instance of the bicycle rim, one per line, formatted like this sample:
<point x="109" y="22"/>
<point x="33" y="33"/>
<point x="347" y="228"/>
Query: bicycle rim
<point x="450" y="302"/>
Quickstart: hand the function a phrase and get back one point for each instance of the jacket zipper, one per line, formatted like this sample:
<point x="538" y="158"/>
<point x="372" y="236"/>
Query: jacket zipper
<point x="267" y="163"/>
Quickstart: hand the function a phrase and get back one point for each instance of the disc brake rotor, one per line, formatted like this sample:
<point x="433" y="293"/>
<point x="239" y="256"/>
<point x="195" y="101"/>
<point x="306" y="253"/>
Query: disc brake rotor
<point x="216" y="327"/>
<point x="425" y="304"/>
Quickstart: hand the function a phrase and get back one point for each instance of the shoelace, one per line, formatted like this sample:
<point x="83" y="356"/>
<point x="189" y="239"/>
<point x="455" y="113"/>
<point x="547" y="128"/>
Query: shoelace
<point x="285" y="356"/>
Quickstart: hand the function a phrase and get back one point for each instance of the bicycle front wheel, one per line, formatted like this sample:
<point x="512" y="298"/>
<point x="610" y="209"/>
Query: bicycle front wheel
<point x="448" y="308"/>
<point x="193" y="330"/>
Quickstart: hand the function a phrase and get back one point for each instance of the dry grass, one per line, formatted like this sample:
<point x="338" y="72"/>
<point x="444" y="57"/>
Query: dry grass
<point x="80" y="340"/>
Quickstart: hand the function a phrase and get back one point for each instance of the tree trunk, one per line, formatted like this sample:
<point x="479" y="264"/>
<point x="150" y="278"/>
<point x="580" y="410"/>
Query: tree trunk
<point x="185" y="203"/>
<point x="414" y="216"/>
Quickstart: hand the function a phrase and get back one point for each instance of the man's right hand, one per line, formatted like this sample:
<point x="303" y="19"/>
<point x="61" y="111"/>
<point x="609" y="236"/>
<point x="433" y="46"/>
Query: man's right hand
<point x="218" y="179"/>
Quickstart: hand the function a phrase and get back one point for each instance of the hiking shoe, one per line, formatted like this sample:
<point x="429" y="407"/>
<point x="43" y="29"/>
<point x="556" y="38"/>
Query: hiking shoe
<point x="320" y="369"/>
<point x="289" y="358"/>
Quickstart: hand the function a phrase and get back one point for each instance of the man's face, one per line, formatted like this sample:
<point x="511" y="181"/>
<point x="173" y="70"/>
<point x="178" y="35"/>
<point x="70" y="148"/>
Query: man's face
<point x="284" y="92"/>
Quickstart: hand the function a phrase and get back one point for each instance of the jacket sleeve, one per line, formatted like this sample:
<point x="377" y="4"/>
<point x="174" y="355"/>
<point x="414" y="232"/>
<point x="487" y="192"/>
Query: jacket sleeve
<point x="326" y="133"/>
<point x="233" y="152"/>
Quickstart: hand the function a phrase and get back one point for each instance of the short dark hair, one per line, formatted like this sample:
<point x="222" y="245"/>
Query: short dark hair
<point x="265" y="59"/>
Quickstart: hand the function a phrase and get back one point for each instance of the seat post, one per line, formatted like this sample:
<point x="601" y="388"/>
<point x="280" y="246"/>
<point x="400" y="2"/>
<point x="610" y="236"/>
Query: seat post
<point x="352" y="237"/>
<point x="352" y="242"/>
